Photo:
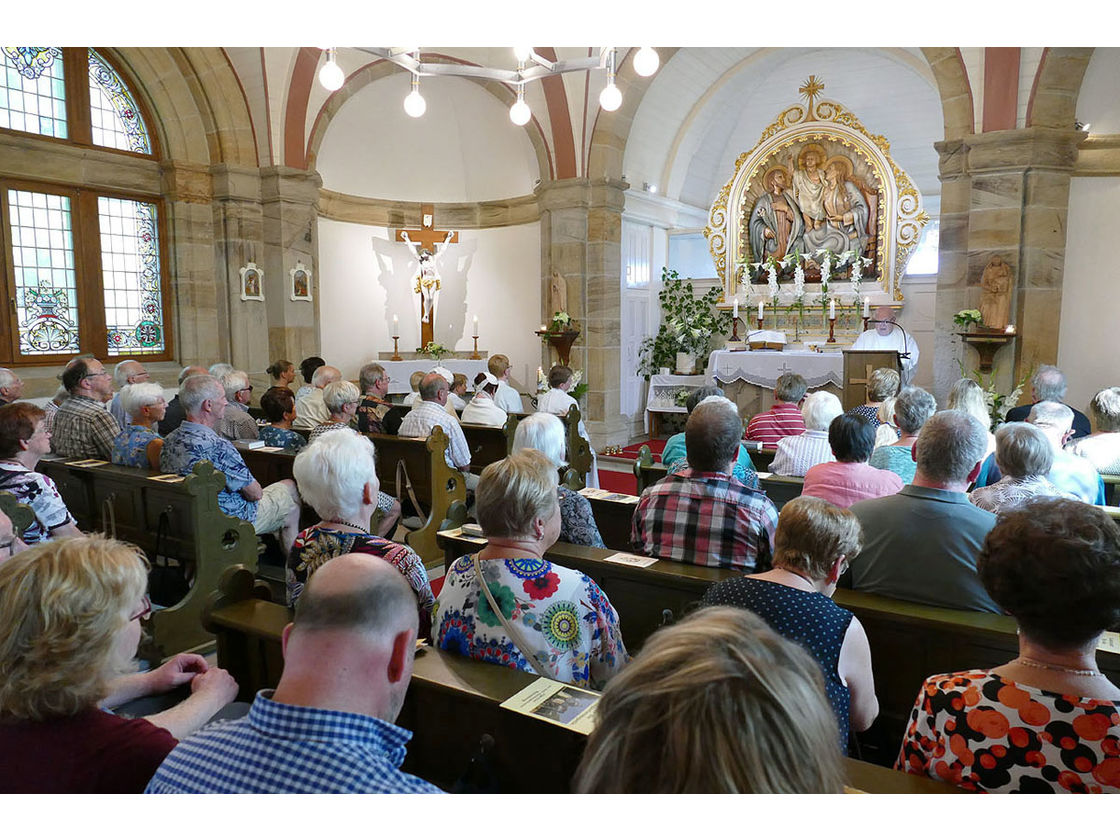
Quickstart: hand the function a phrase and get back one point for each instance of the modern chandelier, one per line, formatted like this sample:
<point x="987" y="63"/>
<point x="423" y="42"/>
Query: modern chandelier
<point x="530" y="67"/>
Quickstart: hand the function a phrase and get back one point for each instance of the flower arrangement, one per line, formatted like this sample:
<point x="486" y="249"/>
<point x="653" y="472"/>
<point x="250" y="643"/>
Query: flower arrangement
<point x="966" y="317"/>
<point x="576" y="392"/>
<point x="561" y="322"/>
<point x="436" y="350"/>
<point x="998" y="404"/>
<point x="681" y="397"/>
<point x="688" y="325"/>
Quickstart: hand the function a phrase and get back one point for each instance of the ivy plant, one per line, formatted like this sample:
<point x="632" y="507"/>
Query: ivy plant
<point x="688" y="325"/>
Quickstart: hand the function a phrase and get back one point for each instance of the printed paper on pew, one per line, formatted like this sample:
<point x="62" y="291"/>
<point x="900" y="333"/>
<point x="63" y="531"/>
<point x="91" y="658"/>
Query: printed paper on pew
<point x="270" y="448"/>
<point x="1109" y="642"/>
<point x="558" y="703"/>
<point x="607" y="495"/>
<point x="459" y="534"/>
<point x="168" y="478"/>
<point x="88" y="462"/>
<point x="631" y="559"/>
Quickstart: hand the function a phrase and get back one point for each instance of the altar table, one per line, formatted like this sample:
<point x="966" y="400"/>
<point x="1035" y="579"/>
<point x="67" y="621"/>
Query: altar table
<point x="399" y="372"/>
<point x="663" y="390"/>
<point x="748" y="377"/>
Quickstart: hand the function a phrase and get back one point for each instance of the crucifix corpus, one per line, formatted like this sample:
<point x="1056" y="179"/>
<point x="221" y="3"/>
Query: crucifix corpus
<point x="426" y="244"/>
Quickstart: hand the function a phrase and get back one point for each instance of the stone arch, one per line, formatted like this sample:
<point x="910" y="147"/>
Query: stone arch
<point x="380" y="69"/>
<point x="1057" y="83"/>
<point x="957" y="106"/>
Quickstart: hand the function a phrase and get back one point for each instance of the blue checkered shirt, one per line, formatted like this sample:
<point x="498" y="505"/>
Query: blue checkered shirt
<point x="279" y="748"/>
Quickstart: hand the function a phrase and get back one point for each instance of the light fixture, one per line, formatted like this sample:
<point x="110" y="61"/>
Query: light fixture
<point x="610" y="97"/>
<point x="648" y="187"/>
<point x="331" y="76"/>
<point x="646" y="61"/>
<point x="522" y="54"/>
<point x="519" y="112"/>
<point x="414" y="104"/>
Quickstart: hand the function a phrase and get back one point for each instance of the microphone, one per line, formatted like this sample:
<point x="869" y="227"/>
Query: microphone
<point x="905" y="336"/>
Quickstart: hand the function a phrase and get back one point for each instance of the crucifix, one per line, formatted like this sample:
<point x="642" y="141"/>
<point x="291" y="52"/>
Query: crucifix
<point x="426" y="244"/>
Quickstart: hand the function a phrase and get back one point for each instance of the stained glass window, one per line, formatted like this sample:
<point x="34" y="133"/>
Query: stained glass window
<point x="131" y="276"/>
<point x="114" y="117"/>
<point x="43" y="263"/>
<point x="33" y="91"/>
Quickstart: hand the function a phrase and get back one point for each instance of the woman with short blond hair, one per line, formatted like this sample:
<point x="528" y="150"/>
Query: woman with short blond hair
<point x="717" y="703"/>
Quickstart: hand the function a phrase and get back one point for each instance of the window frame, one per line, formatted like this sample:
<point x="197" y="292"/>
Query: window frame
<point x="89" y="279"/>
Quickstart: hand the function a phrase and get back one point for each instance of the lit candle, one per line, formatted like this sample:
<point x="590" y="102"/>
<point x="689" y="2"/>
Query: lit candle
<point x="867" y="307"/>
<point x="832" y="309"/>
<point x="760" y="304"/>
<point x="543" y="328"/>
<point x="735" y="309"/>
<point x="1010" y="329"/>
<point x="396" y="329"/>
<point x="476" y="325"/>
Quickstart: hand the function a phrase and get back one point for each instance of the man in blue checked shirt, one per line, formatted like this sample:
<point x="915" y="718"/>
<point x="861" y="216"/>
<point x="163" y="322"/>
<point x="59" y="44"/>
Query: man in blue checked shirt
<point x="326" y="728"/>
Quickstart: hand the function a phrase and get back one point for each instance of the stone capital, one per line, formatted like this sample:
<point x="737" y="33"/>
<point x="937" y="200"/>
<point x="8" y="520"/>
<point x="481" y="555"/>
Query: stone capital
<point x="190" y="183"/>
<point x="581" y="193"/>
<point x="235" y="183"/>
<point x="287" y="184"/>
<point x="1016" y="150"/>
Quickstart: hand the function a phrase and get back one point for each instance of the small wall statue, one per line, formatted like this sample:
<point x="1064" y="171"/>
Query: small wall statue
<point x="995" y="295"/>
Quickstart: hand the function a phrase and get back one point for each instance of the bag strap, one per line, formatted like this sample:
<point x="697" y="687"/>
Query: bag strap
<point x="514" y="635"/>
<point x="402" y="469"/>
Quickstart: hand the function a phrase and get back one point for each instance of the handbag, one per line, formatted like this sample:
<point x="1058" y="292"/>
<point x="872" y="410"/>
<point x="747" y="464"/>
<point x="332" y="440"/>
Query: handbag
<point x="514" y="635"/>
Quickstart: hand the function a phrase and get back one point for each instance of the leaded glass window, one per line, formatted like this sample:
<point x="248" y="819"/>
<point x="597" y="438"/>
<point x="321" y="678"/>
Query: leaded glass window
<point x="115" y="121"/>
<point x="43" y="265"/>
<point x="33" y="91"/>
<point x="131" y="276"/>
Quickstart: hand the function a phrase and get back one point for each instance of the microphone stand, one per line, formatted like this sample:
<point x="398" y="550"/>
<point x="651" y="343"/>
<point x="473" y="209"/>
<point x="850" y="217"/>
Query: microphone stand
<point x="905" y="354"/>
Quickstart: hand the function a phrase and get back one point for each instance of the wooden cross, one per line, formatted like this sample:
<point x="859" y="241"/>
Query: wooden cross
<point x="427" y="238"/>
<point x="865" y="381"/>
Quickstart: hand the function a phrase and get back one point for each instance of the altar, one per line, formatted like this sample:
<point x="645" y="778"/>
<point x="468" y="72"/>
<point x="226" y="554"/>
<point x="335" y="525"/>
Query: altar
<point x="748" y="377"/>
<point x="399" y="372"/>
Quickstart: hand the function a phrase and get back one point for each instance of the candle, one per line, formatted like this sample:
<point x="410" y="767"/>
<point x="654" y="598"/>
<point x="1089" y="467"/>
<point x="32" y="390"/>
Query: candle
<point x="760" y="310"/>
<point x="396" y="329"/>
<point x="1010" y="329"/>
<point x="543" y="328"/>
<point x="832" y="309"/>
<point x="867" y="307"/>
<point x="735" y="309"/>
<point x="476" y="326"/>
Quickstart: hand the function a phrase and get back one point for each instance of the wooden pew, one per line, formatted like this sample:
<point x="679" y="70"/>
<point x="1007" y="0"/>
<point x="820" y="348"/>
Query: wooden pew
<point x="781" y="488"/>
<point x="179" y="520"/>
<point x="909" y="641"/>
<point x="451" y="702"/>
<point x="579" y="450"/>
<point x="1111" y="489"/>
<point x="489" y="443"/>
<point x="21" y="515"/>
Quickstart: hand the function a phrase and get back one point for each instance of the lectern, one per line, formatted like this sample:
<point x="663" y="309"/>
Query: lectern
<point x="858" y="365"/>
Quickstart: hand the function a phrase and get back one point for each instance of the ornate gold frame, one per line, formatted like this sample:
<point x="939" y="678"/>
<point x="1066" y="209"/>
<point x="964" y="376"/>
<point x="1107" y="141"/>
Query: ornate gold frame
<point x="900" y="222"/>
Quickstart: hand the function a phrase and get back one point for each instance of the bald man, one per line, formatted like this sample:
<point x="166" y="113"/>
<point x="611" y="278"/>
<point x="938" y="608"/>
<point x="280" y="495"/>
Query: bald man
<point x="887" y="335"/>
<point x="310" y="408"/>
<point x="431" y="412"/>
<point x="328" y="726"/>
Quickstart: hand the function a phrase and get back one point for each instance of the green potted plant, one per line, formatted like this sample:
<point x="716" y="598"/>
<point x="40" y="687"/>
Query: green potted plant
<point x="688" y="326"/>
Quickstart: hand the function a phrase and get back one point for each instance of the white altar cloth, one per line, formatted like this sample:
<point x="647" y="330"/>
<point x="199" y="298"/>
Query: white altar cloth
<point x="399" y="372"/>
<point x="763" y="367"/>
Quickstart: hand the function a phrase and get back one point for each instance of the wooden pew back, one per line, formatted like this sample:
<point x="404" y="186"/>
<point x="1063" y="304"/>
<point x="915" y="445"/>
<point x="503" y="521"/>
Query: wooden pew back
<point x="489" y="443"/>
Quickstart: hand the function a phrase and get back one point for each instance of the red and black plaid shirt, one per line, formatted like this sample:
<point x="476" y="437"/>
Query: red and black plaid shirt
<point x="704" y="518"/>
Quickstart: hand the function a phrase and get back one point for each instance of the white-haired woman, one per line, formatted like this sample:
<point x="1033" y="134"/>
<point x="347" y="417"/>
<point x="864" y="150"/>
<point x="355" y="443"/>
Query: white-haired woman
<point x="796" y="453"/>
<point x="139" y="444"/>
<point x="341" y="399"/>
<point x="510" y="606"/>
<point x="544" y="432"/>
<point x="337" y="475"/>
<point x="1024" y="456"/>
<point x="1102" y="448"/>
<point x="966" y="395"/>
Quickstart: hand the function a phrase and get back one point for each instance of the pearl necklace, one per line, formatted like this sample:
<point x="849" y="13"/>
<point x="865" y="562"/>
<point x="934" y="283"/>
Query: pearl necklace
<point x="349" y="525"/>
<point x="1081" y="672"/>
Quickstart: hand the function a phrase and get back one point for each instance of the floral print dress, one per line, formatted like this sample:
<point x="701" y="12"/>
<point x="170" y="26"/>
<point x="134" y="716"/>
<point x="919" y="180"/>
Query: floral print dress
<point x="561" y="613"/>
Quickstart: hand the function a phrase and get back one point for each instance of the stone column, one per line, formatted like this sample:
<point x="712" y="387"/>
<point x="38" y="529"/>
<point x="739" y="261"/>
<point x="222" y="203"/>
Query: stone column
<point x="1006" y="194"/>
<point x="581" y="236"/>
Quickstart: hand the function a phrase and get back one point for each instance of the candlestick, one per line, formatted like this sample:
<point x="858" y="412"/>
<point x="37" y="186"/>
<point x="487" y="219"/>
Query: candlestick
<point x="396" y="353"/>
<point x="831" y="328"/>
<point x="735" y="329"/>
<point x="475" y="355"/>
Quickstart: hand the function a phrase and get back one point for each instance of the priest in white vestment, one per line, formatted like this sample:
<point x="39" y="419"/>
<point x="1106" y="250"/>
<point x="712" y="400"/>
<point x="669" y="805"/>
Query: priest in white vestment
<point x="887" y="335"/>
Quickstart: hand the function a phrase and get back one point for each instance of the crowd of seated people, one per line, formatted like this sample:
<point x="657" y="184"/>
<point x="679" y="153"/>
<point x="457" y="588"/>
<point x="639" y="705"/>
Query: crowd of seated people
<point x="731" y="698"/>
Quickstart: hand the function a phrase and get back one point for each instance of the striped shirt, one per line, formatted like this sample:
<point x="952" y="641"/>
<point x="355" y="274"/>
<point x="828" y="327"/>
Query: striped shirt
<point x="769" y="427"/>
<point x="705" y="518"/>
<point x="279" y="748"/>
<point x="798" y="453"/>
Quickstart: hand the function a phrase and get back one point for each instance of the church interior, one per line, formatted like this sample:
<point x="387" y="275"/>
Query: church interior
<point x="187" y="205"/>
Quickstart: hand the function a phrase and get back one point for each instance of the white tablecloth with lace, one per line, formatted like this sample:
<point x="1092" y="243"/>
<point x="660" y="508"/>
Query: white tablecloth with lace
<point x="663" y="391"/>
<point x="763" y="367"/>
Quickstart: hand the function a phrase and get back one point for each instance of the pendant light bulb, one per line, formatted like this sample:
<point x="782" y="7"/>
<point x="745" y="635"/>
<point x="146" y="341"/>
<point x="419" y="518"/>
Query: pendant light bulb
<point x="414" y="104"/>
<point x="330" y="75"/>
<point x="646" y="61"/>
<point x="519" y="112"/>
<point x="611" y="97"/>
<point x="522" y="53"/>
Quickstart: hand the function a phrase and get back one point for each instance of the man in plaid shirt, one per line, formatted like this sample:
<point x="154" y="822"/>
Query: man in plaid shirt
<point x="83" y="426"/>
<point x="703" y="515"/>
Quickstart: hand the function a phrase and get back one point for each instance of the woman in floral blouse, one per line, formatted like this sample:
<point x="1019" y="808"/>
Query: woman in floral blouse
<point x="337" y="476"/>
<point x="544" y="432"/>
<point x="553" y="621"/>
<point x="139" y="444"/>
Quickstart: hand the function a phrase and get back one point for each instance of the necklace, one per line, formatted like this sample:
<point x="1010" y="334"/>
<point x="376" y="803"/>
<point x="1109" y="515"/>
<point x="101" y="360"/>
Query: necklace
<point x="349" y="525"/>
<point x="1081" y="672"/>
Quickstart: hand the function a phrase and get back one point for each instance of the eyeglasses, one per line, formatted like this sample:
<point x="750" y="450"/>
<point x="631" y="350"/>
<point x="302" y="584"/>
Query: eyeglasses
<point x="248" y="388"/>
<point x="99" y="373"/>
<point x="145" y="610"/>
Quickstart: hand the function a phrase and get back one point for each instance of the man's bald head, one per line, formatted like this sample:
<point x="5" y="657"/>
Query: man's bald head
<point x="884" y="314"/>
<point x="431" y="386"/>
<point x="357" y="593"/>
<point x="325" y="375"/>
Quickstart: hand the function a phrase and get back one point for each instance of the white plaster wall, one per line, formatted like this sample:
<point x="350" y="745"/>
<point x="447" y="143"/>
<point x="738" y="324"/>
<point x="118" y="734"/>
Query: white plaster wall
<point x="1097" y="104"/>
<point x="365" y="278"/>
<point x="1091" y="291"/>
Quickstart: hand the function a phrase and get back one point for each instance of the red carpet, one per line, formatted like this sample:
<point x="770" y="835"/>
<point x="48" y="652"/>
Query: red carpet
<point x="618" y="482"/>
<point x="655" y="446"/>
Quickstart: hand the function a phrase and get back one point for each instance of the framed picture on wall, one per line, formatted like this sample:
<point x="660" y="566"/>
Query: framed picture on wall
<point x="301" y="282"/>
<point x="252" y="282"/>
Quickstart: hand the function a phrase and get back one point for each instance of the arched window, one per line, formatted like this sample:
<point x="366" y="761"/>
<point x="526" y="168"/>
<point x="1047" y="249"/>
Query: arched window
<point x="84" y="266"/>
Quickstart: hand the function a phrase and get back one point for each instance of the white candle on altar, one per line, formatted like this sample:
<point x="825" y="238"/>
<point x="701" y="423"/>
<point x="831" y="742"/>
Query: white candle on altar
<point x="476" y="325"/>
<point x="396" y="328"/>
<point x="867" y="307"/>
<point x="735" y="309"/>
<point x="832" y="309"/>
<point x="760" y="304"/>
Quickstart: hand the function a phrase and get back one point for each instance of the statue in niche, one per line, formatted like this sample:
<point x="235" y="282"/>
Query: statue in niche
<point x="995" y="294"/>
<point x="775" y="227"/>
<point x="558" y="294"/>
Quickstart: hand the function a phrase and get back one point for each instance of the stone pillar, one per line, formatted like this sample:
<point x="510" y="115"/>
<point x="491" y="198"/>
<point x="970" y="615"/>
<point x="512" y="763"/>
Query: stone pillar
<point x="1006" y="194"/>
<point x="581" y="236"/>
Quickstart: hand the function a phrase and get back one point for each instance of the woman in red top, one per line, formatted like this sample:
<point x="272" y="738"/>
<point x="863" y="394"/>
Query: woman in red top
<point x="70" y="613"/>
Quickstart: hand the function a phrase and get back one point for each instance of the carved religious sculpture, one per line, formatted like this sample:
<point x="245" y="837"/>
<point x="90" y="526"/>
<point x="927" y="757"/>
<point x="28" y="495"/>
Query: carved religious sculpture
<point x="995" y="295"/>
<point x="558" y="294"/>
<point x="426" y="244"/>
<point x="776" y="221"/>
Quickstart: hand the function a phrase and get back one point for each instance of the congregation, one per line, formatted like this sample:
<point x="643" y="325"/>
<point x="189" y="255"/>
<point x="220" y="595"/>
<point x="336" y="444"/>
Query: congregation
<point x="899" y="499"/>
